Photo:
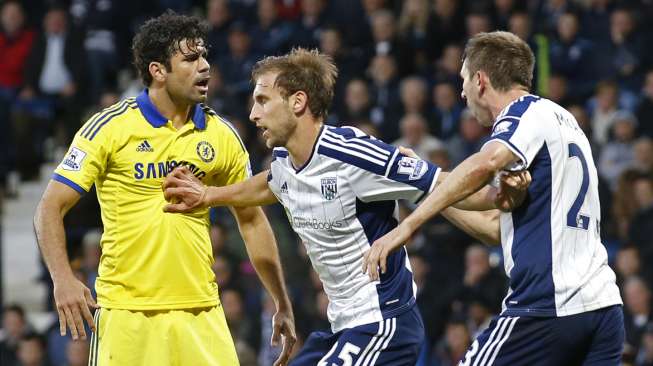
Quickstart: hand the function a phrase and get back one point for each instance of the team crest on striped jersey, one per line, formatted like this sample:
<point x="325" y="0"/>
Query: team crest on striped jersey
<point x="205" y="151"/>
<point x="329" y="188"/>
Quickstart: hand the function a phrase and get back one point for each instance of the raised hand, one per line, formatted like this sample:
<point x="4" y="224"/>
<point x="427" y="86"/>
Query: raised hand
<point x="184" y="190"/>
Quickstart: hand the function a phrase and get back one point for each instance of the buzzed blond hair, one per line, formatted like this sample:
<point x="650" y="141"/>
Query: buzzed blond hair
<point x="310" y="71"/>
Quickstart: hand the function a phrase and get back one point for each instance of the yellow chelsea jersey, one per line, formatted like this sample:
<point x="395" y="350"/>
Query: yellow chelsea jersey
<point x="151" y="259"/>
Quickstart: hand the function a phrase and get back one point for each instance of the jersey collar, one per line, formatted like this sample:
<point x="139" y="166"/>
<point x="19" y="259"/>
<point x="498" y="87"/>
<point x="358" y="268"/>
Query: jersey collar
<point x="155" y="118"/>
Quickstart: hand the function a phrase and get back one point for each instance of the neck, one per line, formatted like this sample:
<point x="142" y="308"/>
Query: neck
<point x="174" y="110"/>
<point x="499" y="101"/>
<point x="298" y="145"/>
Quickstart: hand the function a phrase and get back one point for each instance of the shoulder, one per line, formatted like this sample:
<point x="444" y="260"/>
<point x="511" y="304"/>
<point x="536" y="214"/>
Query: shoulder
<point x="109" y="119"/>
<point x="352" y="146"/>
<point x="519" y="107"/>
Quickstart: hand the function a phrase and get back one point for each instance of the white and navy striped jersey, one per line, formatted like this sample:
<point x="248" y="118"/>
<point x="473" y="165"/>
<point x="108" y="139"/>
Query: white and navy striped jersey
<point x="551" y="244"/>
<point x="339" y="203"/>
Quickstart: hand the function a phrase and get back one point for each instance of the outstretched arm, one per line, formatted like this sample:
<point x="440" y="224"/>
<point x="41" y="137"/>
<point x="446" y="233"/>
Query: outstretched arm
<point x="264" y="254"/>
<point x="470" y="176"/>
<point x="187" y="193"/>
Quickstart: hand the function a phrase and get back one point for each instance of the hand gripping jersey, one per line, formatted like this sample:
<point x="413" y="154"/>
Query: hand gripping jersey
<point x="551" y="244"/>
<point x="339" y="203"/>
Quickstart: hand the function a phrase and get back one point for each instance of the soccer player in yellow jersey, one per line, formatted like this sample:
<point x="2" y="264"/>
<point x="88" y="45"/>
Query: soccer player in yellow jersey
<point x="157" y="299"/>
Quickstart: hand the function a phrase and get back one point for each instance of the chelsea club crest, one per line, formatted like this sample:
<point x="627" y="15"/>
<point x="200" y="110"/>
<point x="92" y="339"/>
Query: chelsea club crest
<point x="329" y="188"/>
<point x="205" y="151"/>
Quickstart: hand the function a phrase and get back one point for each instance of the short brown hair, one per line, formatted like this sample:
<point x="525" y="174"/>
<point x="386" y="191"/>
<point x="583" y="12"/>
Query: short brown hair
<point x="506" y="58"/>
<point x="307" y="70"/>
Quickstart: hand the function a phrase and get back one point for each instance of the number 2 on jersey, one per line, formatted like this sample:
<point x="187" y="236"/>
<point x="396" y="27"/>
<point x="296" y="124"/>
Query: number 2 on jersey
<point x="574" y="218"/>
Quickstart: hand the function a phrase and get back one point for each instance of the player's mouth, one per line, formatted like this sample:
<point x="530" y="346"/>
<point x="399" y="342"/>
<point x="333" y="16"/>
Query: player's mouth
<point x="203" y="85"/>
<point x="264" y="131"/>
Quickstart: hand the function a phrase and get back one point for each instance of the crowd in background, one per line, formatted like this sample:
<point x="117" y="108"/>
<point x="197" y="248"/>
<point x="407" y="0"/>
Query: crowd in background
<point x="399" y="64"/>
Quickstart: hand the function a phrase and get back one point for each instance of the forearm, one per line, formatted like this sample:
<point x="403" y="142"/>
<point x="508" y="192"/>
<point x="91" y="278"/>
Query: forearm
<point x="51" y="238"/>
<point x="482" y="225"/>
<point x="263" y="253"/>
<point x="251" y="192"/>
<point x="479" y="201"/>
<point x="467" y="178"/>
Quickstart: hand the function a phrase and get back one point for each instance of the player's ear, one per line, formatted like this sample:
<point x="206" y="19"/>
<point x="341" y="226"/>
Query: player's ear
<point x="299" y="102"/>
<point x="481" y="80"/>
<point x="158" y="71"/>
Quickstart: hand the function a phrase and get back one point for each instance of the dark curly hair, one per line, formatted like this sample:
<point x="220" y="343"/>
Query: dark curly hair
<point x="159" y="38"/>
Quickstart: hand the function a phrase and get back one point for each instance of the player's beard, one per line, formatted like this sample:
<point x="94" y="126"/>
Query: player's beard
<point x="280" y="134"/>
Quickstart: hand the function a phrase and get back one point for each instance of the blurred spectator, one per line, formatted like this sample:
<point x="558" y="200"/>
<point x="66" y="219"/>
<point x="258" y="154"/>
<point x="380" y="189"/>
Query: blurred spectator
<point x="607" y="102"/>
<point x="641" y="227"/>
<point x="31" y="351"/>
<point x="14" y="327"/>
<point x="270" y="35"/>
<point x="236" y="66"/>
<point x="77" y="353"/>
<point x="414" y="96"/>
<point x="637" y="311"/>
<point x="596" y="20"/>
<point x="240" y="324"/>
<point x="479" y="315"/>
<point x="622" y="57"/>
<point x="451" y="349"/>
<point x="627" y="263"/>
<point x="219" y="17"/>
<point x="15" y="45"/>
<point x="447" y="67"/>
<point x="585" y="124"/>
<point x="643" y="149"/>
<point x="625" y="205"/>
<point x="54" y="83"/>
<point x="618" y="154"/>
<point x="426" y="294"/>
<point x="482" y="282"/>
<point x="104" y="41"/>
<point x="445" y="26"/>
<point x="469" y="140"/>
<point x="476" y="23"/>
<point x="413" y="26"/>
<point x="548" y="12"/>
<point x="558" y="90"/>
<point x="357" y="106"/>
<point x="645" y="355"/>
<point x="386" y="41"/>
<point x="645" y="109"/>
<point x="350" y="62"/>
<point x="572" y="56"/>
<point x="502" y="10"/>
<point x="446" y="110"/>
<point x="385" y="91"/>
<point x="92" y="251"/>
<point x="267" y="354"/>
<point x="310" y="24"/>
<point x="221" y="100"/>
<point x="520" y="24"/>
<point x="415" y="135"/>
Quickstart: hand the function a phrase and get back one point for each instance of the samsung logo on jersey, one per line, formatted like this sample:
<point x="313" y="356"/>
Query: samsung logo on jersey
<point x="161" y="169"/>
<point x="313" y="223"/>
